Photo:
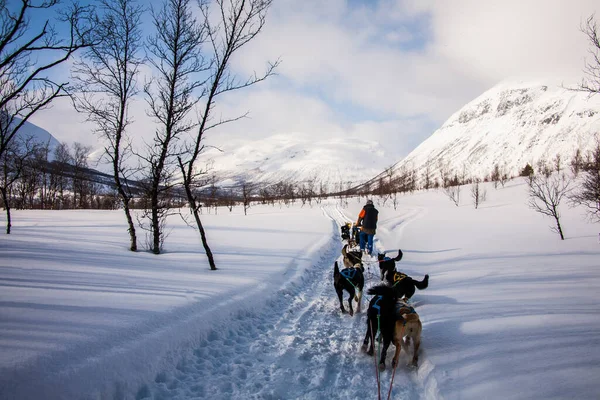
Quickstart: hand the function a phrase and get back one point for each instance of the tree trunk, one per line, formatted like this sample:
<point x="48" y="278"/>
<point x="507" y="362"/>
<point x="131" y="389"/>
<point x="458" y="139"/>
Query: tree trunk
<point x="194" y="207"/>
<point x="559" y="228"/>
<point x="125" y="198"/>
<point x="155" y="225"/>
<point x="209" y="255"/>
<point x="7" y="207"/>
<point x="131" y="228"/>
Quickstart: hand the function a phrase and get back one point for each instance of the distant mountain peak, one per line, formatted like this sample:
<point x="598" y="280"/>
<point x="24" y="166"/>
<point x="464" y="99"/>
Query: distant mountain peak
<point x="511" y="124"/>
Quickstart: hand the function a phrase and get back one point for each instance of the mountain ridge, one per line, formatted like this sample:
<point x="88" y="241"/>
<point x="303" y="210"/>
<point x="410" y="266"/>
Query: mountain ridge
<point x="510" y="125"/>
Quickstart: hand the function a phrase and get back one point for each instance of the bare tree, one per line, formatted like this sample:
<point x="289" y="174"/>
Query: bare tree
<point x="395" y="200"/>
<point x="544" y="168"/>
<point x="503" y="176"/>
<point x="247" y="191"/>
<point x="81" y="182"/>
<point x="28" y="53"/>
<point x="62" y="157"/>
<point x="176" y="58"/>
<point x="444" y="172"/>
<point x="591" y="82"/>
<point x="546" y="194"/>
<point x="427" y="177"/>
<point x="13" y="162"/>
<point x="499" y="175"/>
<point x="558" y="163"/>
<point x="478" y="194"/>
<point x="588" y="193"/>
<point x="239" y="22"/>
<point x="453" y="193"/>
<point x="576" y="162"/>
<point x="106" y="78"/>
<point x="495" y="175"/>
<point x="42" y="159"/>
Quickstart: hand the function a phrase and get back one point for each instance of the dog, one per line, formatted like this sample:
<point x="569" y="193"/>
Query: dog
<point x="346" y="231"/>
<point x="408" y="325"/>
<point x="350" y="233"/>
<point x="404" y="285"/>
<point x="352" y="258"/>
<point x="351" y="280"/>
<point x="355" y="238"/>
<point x="387" y="264"/>
<point x="381" y="316"/>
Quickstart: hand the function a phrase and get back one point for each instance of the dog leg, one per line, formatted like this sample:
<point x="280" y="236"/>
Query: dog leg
<point x="350" y="304"/>
<point x="365" y="345"/>
<point x="398" y="342"/>
<point x="386" y="344"/>
<point x="416" y="345"/>
<point x="358" y="300"/>
<point x="339" y="293"/>
<point x="397" y="353"/>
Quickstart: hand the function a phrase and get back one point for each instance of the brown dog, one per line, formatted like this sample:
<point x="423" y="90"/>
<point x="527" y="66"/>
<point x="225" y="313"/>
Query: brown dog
<point x="408" y="325"/>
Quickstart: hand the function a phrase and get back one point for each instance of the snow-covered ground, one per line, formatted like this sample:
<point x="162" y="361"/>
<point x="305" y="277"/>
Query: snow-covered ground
<point x="511" y="312"/>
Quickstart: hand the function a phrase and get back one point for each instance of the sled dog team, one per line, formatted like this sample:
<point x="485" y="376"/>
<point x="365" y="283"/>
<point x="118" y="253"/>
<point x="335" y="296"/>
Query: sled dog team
<point x="389" y="316"/>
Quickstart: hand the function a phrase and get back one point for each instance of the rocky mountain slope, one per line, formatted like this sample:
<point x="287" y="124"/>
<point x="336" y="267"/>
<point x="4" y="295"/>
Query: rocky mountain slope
<point x="510" y="125"/>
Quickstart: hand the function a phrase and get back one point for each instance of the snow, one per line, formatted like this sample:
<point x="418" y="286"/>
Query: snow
<point x="510" y="125"/>
<point x="511" y="311"/>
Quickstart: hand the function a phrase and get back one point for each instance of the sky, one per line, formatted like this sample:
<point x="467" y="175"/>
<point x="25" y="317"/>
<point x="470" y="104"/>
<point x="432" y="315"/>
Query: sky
<point x="511" y="311"/>
<point x="390" y="71"/>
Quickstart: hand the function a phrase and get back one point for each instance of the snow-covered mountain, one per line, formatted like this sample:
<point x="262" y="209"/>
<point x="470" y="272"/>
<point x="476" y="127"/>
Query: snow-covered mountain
<point x="37" y="134"/>
<point x="512" y="124"/>
<point x="334" y="162"/>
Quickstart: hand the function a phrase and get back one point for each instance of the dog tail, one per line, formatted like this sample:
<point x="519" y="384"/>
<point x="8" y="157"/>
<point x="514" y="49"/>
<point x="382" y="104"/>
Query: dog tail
<point x="422" y="284"/>
<point x="399" y="256"/>
<point x="345" y="250"/>
<point x="382" y="290"/>
<point x="336" y="270"/>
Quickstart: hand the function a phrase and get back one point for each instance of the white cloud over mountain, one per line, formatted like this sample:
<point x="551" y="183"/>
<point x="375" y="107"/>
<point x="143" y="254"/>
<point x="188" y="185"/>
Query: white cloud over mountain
<point x="390" y="71"/>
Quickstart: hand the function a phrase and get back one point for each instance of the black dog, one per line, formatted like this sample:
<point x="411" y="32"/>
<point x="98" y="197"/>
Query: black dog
<point x="351" y="280"/>
<point x="381" y="316"/>
<point x="387" y="264"/>
<point x="404" y="285"/>
<point x="345" y="231"/>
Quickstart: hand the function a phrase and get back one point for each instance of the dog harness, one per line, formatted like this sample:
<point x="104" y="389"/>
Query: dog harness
<point x="376" y="304"/>
<point x="348" y="273"/>
<point x="398" y="276"/>
<point x="400" y="306"/>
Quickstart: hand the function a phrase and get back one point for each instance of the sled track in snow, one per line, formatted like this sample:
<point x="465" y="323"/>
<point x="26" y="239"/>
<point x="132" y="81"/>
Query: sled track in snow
<point x="296" y="345"/>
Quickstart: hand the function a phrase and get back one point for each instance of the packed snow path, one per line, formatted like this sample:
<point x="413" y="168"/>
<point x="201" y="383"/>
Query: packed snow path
<point x="295" y="345"/>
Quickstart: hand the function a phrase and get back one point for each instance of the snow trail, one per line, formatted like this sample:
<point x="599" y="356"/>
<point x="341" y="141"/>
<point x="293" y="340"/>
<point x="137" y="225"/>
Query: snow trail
<point x="298" y="345"/>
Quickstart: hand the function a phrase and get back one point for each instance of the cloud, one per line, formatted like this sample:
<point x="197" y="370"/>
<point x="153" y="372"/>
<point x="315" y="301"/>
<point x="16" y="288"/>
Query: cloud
<point x="392" y="70"/>
<point x="508" y="38"/>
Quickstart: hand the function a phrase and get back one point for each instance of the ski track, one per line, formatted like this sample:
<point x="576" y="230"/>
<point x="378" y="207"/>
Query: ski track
<point x="297" y="346"/>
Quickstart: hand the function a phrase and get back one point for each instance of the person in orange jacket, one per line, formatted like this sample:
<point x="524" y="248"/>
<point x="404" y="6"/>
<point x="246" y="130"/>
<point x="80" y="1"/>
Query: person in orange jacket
<point x="367" y="221"/>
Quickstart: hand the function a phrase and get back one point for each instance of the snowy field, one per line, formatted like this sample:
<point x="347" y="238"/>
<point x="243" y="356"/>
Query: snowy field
<point x="511" y="312"/>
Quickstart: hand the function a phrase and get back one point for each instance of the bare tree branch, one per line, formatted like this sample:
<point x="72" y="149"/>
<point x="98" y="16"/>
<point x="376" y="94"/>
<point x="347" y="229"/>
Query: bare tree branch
<point x="25" y="86"/>
<point x="546" y="194"/>
<point x="106" y="84"/>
